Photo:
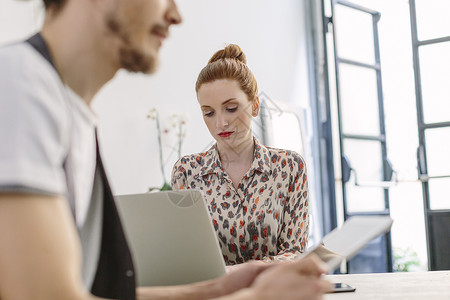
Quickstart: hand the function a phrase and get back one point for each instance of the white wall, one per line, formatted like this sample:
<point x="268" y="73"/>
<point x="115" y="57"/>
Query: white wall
<point x="19" y="19"/>
<point x="270" y="32"/>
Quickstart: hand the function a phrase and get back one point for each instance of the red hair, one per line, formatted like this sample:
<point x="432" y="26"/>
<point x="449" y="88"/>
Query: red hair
<point x="229" y="63"/>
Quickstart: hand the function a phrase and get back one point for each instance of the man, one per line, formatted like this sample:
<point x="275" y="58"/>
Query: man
<point x="52" y="181"/>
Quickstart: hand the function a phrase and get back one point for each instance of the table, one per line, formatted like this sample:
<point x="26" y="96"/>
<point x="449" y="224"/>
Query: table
<point x="433" y="285"/>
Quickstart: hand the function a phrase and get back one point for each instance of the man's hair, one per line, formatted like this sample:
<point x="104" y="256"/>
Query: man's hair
<point x="54" y="3"/>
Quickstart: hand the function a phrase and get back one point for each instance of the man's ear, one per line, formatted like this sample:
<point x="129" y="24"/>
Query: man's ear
<point x="255" y="107"/>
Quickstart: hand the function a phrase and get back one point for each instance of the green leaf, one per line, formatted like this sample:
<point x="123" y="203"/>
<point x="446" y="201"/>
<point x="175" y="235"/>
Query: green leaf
<point x="166" y="187"/>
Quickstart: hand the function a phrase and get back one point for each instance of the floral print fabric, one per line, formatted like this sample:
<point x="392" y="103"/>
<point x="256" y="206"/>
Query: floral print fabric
<point x="266" y="217"/>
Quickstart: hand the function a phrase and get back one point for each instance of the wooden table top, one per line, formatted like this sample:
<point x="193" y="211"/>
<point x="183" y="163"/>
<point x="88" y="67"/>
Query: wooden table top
<point x="434" y="285"/>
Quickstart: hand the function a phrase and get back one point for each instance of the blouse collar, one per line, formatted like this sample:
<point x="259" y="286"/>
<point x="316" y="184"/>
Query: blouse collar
<point x="261" y="161"/>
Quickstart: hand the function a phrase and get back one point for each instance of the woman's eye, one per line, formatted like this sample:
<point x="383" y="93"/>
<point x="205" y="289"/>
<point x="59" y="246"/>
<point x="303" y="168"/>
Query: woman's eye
<point x="208" y="113"/>
<point x="232" y="109"/>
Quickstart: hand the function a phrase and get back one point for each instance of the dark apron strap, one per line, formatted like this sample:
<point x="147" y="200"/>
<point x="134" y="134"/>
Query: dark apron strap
<point x="39" y="44"/>
<point x="115" y="272"/>
<point x="115" y="277"/>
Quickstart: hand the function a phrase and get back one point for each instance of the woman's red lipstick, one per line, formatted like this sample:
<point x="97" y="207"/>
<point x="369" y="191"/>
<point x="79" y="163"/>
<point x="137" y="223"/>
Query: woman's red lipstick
<point x="225" y="134"/>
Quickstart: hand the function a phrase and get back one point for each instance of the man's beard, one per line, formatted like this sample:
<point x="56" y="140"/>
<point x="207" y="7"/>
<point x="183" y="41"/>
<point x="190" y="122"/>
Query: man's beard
<point x="130" y="57"/>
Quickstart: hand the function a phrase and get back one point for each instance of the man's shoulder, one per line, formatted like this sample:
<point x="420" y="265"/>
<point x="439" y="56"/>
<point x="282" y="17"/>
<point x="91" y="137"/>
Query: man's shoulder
<point x="26" y="75"/>
<point x="21" y="60"/>
<point x="31" y="91"/>
<point x="12" y="54"/>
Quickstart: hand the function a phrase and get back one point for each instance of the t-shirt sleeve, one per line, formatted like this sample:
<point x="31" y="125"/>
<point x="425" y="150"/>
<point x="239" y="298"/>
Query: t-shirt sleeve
<point x="32" y="119"/>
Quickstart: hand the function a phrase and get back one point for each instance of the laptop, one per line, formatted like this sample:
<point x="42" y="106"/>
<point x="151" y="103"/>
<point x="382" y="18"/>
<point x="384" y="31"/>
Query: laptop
<point x="171" y="237"/>
<point x="347" y="240"/>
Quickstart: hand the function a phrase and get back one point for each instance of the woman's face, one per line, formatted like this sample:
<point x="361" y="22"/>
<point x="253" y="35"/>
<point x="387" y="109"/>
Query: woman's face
<point x="227" y="112"/>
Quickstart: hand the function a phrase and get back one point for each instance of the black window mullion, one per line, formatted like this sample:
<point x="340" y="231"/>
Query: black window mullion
<point x="432" y="217"/>
<point x="382" y="133"/>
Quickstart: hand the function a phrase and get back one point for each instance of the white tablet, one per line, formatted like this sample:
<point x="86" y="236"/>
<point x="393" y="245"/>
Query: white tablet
<point x="352" y="236"/>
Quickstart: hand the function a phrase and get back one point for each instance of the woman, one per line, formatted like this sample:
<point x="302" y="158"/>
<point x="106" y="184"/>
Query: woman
<point x="257" y="196"/>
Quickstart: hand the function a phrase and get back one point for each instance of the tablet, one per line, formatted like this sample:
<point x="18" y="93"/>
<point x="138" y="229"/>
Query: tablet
<point x="356" y="232"/>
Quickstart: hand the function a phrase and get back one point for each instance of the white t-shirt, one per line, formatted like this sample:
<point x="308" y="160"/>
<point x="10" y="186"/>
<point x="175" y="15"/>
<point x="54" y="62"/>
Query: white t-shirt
<point x="47" y="142"/>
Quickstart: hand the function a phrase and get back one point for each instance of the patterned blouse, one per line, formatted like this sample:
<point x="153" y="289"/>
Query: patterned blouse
<point x="266" y="217"/>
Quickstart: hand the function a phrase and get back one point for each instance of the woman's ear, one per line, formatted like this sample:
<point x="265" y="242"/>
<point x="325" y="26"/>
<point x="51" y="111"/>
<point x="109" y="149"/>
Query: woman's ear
<point x="255" y="107"/>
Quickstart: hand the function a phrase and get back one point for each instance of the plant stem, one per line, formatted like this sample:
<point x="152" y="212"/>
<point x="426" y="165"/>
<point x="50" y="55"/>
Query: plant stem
<point x="179" y="139"/>
<point x="158" y="127"/>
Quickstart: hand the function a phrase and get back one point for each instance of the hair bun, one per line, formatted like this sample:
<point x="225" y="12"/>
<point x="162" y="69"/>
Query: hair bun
<point x="231" y="51"/>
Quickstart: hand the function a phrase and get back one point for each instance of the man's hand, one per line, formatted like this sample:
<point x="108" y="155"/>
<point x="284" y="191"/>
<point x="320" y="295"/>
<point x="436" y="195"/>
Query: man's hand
<point x="293" y="280"/>
<point x="242" y="276"/>
<point x="240" y="279"/>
